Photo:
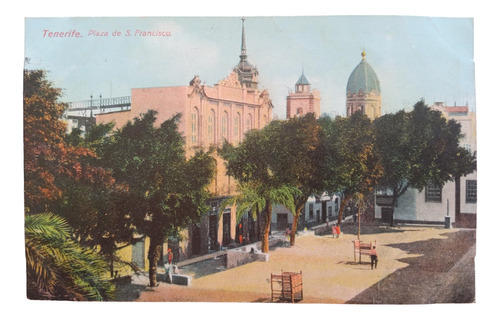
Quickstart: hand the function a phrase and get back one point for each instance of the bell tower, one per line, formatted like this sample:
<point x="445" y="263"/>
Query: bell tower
<point x="303" y="100"/>
<point x="248" y="75"/>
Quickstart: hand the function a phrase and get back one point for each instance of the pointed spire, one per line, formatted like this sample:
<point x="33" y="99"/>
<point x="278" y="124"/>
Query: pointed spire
<point x="243" y="42"/>
<point x="363" y="54"/>
<point x="247" y="73"/>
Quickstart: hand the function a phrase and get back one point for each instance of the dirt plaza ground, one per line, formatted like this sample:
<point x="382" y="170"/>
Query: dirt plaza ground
<point x="418" y="265"/>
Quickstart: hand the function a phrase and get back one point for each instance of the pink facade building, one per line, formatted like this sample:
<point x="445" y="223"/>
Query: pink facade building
<point x="210" y="116"/>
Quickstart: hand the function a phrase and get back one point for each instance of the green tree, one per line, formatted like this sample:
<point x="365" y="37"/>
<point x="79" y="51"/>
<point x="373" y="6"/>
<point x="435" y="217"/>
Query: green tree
<point x="48" y="158"/>
<point x="351" y="163"/>
<point x="258" y="200"/>
<point x="297" y="159"/>
<point x="166" y="192"/>
<point x="92" y="207"/>
<point x="418" y="148"/>
<point x="251" y="163"/>
<point x="57" y="267"/>
<point x="57" y="172"/>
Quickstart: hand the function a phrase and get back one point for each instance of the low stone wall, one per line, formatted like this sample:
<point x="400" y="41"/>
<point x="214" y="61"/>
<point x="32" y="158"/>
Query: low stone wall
<point x="243" y="255"/>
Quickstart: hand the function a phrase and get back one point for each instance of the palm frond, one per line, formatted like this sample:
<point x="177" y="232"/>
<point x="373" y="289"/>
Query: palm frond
<point x="59" y="268"/>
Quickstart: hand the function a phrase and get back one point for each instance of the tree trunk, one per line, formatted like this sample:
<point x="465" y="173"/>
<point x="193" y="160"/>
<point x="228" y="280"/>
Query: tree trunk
<point x="396" y="193"/>
<point x="296" y="223"/>
<point x="268" y="210"/>
<point x="341" y="210"/>
<point x="393" y="206"/>
<point x="359" y="216"/>
<point x="154" y="257"/>
<point x="107" y="249"/>
<point x="299" y="205"/>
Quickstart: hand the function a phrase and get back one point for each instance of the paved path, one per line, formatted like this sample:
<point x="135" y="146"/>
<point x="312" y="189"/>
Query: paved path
<point x="407" y="255"/>
<point x="441" y="272"/>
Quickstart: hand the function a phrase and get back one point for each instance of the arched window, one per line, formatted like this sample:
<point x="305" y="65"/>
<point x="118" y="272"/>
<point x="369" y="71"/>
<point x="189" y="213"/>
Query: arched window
<point x="236" y="128"/>
<point x="194" y="126"/>
<point x="249" y="123"/>
<point x="211" y="127"/>
<point x="223" y="126"/>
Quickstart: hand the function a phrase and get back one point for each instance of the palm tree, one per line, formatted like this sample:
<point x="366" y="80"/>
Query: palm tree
<point x="57" y="267"/>
<point x="256" y="198"/>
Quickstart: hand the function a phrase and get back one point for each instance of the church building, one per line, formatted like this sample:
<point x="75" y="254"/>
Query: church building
<point x="210" y="116"/>
<point x="363" y="91"/>
<point x="434" y="203"/>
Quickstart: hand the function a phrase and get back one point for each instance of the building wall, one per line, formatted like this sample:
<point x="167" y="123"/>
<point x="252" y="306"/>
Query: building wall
<point x="119" y="118"/>
<point x="467" y="120"/>
<point x="209" y="116"/>
<point x="300" y="103"/>
<point x="317" y="211"/>
<point x="167" y="101"/>
<point x="412" y="206"/>
<point x="370" y="103"/>
<point x="405" y="208"/>
<point x="466" y="207"/>
<point x="437" y="211"/>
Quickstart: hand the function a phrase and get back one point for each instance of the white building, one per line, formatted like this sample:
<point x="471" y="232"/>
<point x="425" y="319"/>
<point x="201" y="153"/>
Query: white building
<point x="316" y="211"/>
<point x="433" y="204"/>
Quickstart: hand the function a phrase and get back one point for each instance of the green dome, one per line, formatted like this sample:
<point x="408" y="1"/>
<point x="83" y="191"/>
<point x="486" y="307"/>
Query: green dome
<point x="363" y="78"/>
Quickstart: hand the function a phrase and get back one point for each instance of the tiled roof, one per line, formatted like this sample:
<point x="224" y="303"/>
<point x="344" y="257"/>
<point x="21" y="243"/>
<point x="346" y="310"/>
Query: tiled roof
<point x="457" y="109"/>
<point x="302" y="80"/>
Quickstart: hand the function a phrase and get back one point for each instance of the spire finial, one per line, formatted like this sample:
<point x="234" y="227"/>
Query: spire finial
<point x="363" y="54"/>
<point x="243" y="42"/>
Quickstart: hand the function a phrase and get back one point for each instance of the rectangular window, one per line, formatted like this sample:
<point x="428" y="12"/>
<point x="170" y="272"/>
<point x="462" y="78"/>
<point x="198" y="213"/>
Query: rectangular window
<point x="433" y="193"/>
<point x="471" y="191"/>
<point x="311" y="211"/>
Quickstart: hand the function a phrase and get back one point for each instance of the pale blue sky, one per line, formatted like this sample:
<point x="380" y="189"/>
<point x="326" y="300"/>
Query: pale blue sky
<point x="414" y="57"/>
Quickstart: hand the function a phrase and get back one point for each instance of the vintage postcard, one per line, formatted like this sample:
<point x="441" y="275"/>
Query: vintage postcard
<point x="292" y="159"/>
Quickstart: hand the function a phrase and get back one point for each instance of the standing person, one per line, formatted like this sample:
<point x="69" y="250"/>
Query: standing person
<point x="336" y="231"/>
<point x="373" y="256"/>
<point x="240" y="233"/>
<point x="170" y="256"/>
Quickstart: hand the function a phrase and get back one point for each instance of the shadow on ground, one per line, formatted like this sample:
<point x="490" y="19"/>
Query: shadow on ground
<point x="130" y="291"/>
<point x="430" y="277"/>
<point x="369" y="228"/>
<point x="205" y="267"/>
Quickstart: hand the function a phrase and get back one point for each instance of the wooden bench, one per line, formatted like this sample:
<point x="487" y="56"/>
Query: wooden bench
<point x="286" y="286"/>
<point x="362" y="248"/>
